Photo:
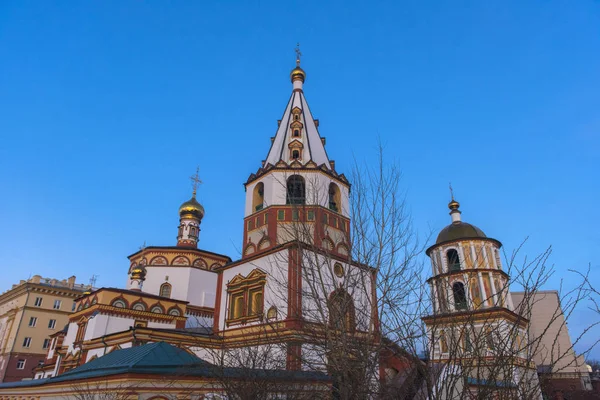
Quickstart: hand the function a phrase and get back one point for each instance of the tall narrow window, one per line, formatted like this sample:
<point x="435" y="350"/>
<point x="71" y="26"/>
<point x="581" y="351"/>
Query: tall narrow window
<point x="453" y="260"/>
<point x="296" y="191"/>
<point x="258" y="196"/>
<point x="443" y="342"/>
<point x="296" y="132"/>
<point x="342" y="315"/>
<point x="57" y="304"/>
<point x="165" y="290"/>
<point x="334" y="197"/>
<point x="295" y="154"/>
<point x="38" y="302"/>
<point x="460" y="297"/>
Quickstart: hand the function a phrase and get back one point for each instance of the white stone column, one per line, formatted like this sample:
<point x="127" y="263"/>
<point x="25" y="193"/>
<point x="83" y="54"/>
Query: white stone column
<point x="436" y="306"/>
<point x="474" y="255"/>
<point x="450" y="296"/>
<point x="494" y="257"/>
<point x="486" y="260"/>
<point x="494" y="290"/>
<point x="461" y="254"/>
<point x="484" y="294"/>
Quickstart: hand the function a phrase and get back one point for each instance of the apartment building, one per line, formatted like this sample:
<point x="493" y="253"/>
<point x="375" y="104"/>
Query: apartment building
<point x="30" y="312"/>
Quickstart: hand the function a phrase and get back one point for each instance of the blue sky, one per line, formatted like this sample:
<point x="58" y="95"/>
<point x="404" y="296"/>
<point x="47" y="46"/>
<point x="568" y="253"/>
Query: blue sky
<point x="106" y="109"/>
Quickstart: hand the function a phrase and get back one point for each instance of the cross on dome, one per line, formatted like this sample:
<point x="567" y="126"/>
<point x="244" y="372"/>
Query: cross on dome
<point x="195" y="181"/>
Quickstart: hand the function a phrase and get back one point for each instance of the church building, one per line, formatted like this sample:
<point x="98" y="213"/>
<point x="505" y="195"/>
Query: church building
<point x="293" y="284"/>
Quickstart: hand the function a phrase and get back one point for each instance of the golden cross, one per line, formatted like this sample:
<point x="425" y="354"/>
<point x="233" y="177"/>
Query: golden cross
<point x="195" y="181"/>
<point x="451" y="191"/>
<point x="298" y="54"/>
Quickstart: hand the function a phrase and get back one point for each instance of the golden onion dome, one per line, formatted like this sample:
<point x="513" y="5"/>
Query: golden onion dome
<point x="298" y="73"/>
<point x="453" y="205"/>
<point x="191" y="208"/>
<point x="138" y="272"/>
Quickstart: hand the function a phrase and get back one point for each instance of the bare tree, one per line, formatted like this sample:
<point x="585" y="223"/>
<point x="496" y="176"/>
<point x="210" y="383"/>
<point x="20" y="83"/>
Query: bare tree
<point x="357" y="308"/>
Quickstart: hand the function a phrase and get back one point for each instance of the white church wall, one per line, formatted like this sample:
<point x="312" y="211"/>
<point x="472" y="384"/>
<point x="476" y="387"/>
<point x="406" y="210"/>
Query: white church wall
<point x="356" y="281"/>
<point x="194" y="321"/>
<point x="275" y="294"/>
<point x="118" y="324"/>
<point x="314" y="357"/>
<point x="96" y="326"/>
<point x="178" y="278"/>
<point x="201" y="289"/>
<point x="95" y="352"/>
<point x="70" y="336"/>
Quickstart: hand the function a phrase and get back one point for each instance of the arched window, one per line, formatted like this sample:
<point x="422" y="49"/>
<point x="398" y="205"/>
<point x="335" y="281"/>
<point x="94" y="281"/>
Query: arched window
<point x="296" y="132"/>
<point x="342" y="315"/>
<point x="165" y="290"/>
<point x="443" y="342"/>
<point x="258" y="196"/>
<point x="453" y="260"/>
<point x="119" y="304"/>
<point x="272" y="313"/>
<point x="295" y="154"/>
<point x="460" y="297"/>
<point x="334" y="197"/>
<point x="296" y="191"/>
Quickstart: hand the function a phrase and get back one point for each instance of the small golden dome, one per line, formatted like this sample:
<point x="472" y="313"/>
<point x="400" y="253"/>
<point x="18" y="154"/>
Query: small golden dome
<point x="88" y="291"/>
<point x="298" y="73"/>
<point x="191" y="208"/>
<point x="453" y="205"/>
<point x="138" y="272"/>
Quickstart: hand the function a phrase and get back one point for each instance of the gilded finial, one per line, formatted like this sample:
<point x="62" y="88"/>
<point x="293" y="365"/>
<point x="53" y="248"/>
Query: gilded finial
<point x="298" y="54"/>
<point x="453" y="205"/>
<point x="195" y="182"/>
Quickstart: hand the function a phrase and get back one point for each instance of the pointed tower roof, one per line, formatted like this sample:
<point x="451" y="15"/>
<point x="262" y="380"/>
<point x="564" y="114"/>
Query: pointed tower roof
<point x="298" y="129"/>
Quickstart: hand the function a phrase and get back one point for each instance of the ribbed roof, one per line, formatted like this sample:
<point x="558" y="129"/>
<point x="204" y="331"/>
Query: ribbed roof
<point x="459" y="230"/>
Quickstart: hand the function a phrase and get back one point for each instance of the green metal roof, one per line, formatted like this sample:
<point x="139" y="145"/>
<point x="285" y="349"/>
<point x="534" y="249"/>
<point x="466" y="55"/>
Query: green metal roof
<point x="161" y="358"/>
<point x="154" y="356"/>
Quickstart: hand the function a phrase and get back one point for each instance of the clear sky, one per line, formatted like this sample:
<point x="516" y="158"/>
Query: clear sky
<point x="107" y="107"/>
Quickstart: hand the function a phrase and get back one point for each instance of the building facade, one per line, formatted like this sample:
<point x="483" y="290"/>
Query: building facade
<point x="30" y="312"/>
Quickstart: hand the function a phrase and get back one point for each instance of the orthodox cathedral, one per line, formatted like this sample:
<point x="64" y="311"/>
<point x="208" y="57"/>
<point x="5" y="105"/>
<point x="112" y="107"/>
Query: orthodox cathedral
<point x="182" y="298"/>
<point x="202" y="301"/>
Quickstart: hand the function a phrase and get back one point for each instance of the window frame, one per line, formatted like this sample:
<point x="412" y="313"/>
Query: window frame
<point x="22" y="365"/>
<point x="51" y="324"/>
<point x="57" y="304"/>
<point x="46" y="344"/>
<point x="38" y="303"/>
<point x="242" y="295"/>
<point x="163" y="286"/>
<point x="32" y="322"/>
<point x="27" y="342"/>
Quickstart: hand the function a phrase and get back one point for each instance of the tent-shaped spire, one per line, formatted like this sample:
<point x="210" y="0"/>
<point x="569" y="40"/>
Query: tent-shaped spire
<point x="297" y="138"/>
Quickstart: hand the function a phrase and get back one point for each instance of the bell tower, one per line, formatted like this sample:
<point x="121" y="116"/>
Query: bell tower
<point x="297" y="193"/>
<point x="473" y="321"/>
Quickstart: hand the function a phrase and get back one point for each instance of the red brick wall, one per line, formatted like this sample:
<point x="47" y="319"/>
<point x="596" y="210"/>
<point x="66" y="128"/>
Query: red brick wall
<point x="13" y="374"/>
